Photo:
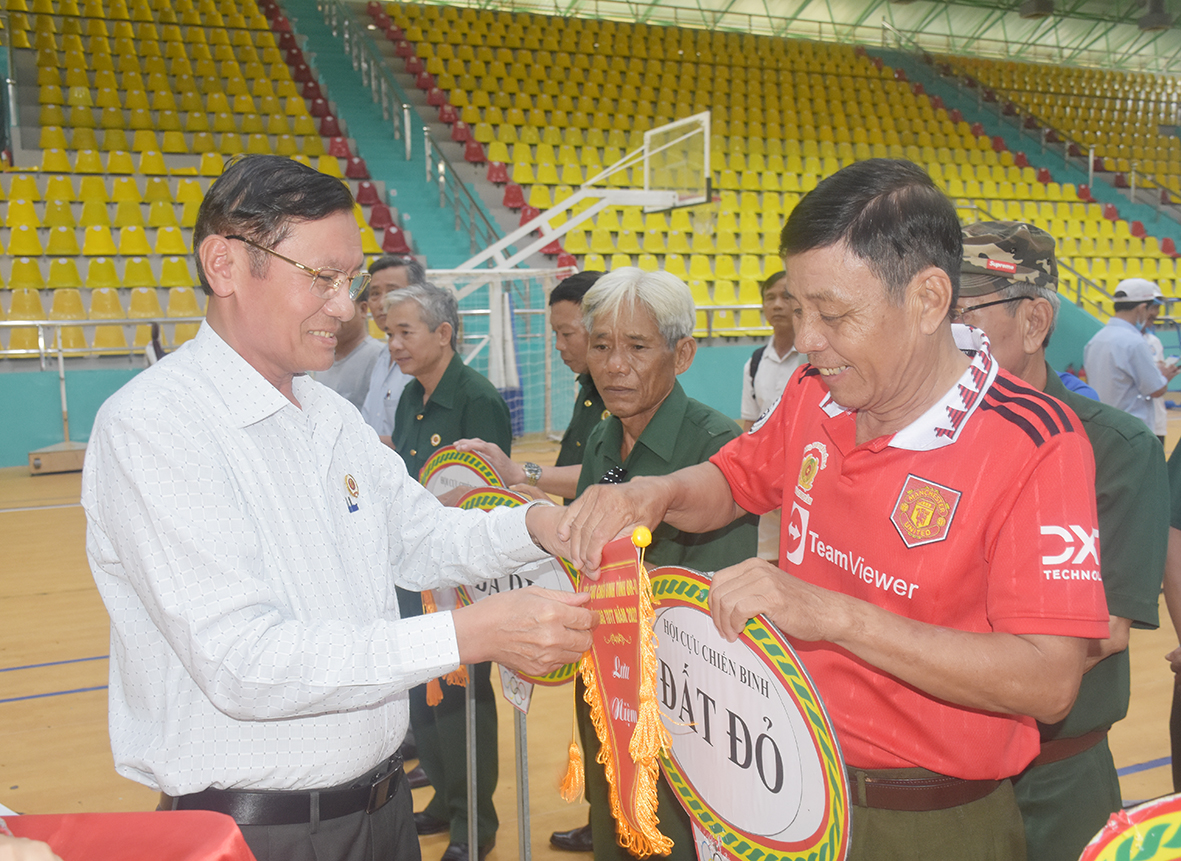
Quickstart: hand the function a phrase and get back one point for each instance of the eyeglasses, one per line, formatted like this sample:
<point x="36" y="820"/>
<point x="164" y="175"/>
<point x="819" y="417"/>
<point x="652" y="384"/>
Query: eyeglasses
<point x="326" y="281"/>
<point x="958" y="314"/>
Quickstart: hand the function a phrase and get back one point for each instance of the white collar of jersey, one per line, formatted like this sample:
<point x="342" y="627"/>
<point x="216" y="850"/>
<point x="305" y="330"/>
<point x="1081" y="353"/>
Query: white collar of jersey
<point x="941" y="424"/>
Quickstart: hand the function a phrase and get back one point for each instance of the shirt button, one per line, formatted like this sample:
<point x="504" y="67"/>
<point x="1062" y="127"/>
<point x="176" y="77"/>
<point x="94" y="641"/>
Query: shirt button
<point x="586" y="403"/>
<point x="413" y="452"/>
<point x="577" y="443"/>
<point x="420" y="416"/>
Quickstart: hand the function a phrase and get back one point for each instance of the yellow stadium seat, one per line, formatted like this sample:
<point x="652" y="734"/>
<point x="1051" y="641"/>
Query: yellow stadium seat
<point x="62" y="243"/>
<point x="23" y="241"/>
<point x="137" y="272"/>
<point x="101" y="274"/>
<point x="174" y="272"/>
<point x="156" y="189"/>
<point x="128" y="214"/>
<point x="26" y="305"/>
<point x="98" y="242"/>
<point x="144" y="303"/>
<point x="105" y="305"/>
<point x="170" y="241"/>
<point x="182" y="302"/>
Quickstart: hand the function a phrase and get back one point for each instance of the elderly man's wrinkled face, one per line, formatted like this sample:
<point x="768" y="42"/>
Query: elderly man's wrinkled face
<point x="632" y="364"/>
<point x="863" y="345"/>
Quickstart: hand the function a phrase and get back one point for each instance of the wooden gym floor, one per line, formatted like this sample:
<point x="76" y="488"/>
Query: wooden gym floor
<point x="54" y="751"/>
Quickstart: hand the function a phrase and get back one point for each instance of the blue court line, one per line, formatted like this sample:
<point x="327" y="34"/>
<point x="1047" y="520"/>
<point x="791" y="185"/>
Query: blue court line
<point x="54" y="663"/>
<point x="1144" y="766"/>
<point x="53" y="694"/>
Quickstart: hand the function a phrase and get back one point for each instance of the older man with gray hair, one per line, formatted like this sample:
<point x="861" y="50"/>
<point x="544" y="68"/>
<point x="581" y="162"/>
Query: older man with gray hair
<point x="640" y="338"/>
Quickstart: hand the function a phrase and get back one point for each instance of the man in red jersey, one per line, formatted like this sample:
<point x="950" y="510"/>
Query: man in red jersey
<point x="938" y="568"/>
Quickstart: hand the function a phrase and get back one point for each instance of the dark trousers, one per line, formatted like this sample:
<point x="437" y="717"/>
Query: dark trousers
<point x="441" y="734"/>
<point x="387" y="835"/>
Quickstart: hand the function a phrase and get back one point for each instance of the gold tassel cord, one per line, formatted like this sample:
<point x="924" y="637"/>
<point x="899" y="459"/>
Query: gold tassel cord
<point x="573" y="783"/>
<point x="648" y="738"/>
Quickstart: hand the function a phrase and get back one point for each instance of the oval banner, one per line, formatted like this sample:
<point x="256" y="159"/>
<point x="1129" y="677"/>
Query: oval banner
<point x="1148" y="832"/>
<point x="754" y="759"/>
<point x="448" y="469"/>
<point x="552" y="572"/>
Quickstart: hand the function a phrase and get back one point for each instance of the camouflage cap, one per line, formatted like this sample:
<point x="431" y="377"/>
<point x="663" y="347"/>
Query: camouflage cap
<point x="998" y="254"/>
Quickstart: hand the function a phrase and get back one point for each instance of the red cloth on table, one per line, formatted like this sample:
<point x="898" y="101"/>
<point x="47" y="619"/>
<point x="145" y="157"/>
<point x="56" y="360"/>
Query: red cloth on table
<point x="176" y="835"/>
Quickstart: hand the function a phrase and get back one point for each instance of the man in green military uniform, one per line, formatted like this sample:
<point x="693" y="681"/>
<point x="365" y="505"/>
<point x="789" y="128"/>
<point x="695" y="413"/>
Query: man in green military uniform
<point x="1008" y="289"/>
<point x="1173" y="602"/>
<point x="561" y="479"/>
<point x="444" y="402"/>
<point x="640" y="337"/>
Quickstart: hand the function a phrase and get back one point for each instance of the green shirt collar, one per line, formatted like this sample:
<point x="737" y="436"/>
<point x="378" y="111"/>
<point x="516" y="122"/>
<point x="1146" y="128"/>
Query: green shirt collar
<point x="444" y="393"/>
<point x="660" y="436"/>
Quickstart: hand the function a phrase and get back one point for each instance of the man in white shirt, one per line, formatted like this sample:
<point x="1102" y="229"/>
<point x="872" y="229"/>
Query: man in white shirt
<point x="766" y="372"/>
<point x="386" y="381"/>
<point x="246" y="529"/>
<point x="764" y="378"/>
<point x="356" y="355"/>
<point x="1119" y="363"/>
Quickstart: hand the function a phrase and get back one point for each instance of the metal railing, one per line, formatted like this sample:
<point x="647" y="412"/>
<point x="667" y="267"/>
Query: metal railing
<point x="368" y="59"/>
<point x="453" y="191"/>
<point x="375" y="73"/>
<point x="49" y="340"/>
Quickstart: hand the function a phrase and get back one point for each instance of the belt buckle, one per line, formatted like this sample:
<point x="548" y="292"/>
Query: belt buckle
<point x="379" y="792"/>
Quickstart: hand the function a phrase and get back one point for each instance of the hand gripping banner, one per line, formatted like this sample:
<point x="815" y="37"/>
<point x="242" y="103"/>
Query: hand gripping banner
<point x="620" y="677"/>
<point x="753" y="759"/>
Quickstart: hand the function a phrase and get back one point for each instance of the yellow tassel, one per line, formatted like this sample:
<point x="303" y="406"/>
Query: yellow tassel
<point x="572" y="783"/>
<point x="434" y="692"/>
<point x="458" y="678"/>
<point x="428" y="602"/>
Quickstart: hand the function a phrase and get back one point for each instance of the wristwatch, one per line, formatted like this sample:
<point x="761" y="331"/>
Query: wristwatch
<point x="532" y="473"/>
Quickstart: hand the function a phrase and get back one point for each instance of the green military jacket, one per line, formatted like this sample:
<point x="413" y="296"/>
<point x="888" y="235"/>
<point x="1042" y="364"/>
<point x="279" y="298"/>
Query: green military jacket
<point x="682" y="433"/>
<point x="464" y="404"/>
<point x="588" y="412"/>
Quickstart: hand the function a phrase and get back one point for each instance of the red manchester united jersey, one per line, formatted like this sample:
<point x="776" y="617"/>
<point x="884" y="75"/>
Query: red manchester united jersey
<point x="979" y="516"/>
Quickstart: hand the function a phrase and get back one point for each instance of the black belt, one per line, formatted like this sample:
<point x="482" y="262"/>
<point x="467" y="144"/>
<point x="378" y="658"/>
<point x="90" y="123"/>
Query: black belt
<point x="933" y="791"/>
<point x="370" y="792"/>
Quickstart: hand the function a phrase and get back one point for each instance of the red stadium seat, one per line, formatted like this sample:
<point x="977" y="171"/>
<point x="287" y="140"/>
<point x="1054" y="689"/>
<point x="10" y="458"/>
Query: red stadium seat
<point x="414" y="65"/>
<point x="448" y="115"/>
<point x="380" y="216"/>
<point x="473" y="151"/>
<point x="329" y="127"/>
<point x="514" y="197"/>
<point x="356" y="169"/>
<point x="461" y="132"/>
<point x="566" y="260"/>
<point x="1138" y="230"/>
<point x="394" y="241"/>
<point x="1167" y="246"/>
<point x="302" y="73"/>
<point x="998" y="144"/>
<point x="552" y="249"/>
<point x="1119" y="180"/>
<point x="436" y="97"/>
<point x="1043" y="175"/>
<point x="311" y="91"/>
<point x="497" y="172"/>
<point x="367" y="194"/>
<point x="339" y="147"/>
<point x="425" y="80"/>
<point x="1020" y="159"/>
<point x="404" y="50"/>
<point x="319" y="108"/>
<point x="528" y="213"/>
<point x="1110" y="212"/>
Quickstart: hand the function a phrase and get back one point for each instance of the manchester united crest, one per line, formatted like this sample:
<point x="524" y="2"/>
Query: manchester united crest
<point x="815" y="459"/>
<point x="923" y="512"/>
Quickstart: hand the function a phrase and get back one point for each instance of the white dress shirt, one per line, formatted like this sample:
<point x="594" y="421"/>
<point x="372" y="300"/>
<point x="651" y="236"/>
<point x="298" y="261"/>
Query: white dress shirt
<point x="385" y="390"/>
<point x="247" y="551"/>
<point x="1160" y="413"/>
